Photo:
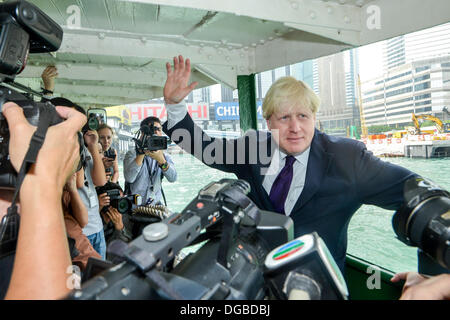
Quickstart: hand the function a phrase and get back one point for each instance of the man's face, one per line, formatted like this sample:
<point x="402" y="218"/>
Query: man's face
<point x="293" y="127"/>
<point x="158" y="128"/>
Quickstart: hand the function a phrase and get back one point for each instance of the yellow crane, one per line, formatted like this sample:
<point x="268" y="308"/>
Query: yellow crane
<point x="440" y="126"/>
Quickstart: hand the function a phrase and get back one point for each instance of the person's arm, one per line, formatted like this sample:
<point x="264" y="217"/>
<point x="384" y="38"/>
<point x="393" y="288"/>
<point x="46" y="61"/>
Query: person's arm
<point x="170" y="172"/>
<point x="48" y="79"/>
<point x="79" y="210"/>
<point x="42" y="254"/>
<point x="378" y="182"/>
<point x="131" y="165"/>
<point x="217" y="153"/>
<point x="103" y="201"/>
<point x="115" y="177"/>
<point x="420" y="287"/>
<point x="80" y="178"/>
<point x="98" y="171"/>
<point x="120" y="231"/>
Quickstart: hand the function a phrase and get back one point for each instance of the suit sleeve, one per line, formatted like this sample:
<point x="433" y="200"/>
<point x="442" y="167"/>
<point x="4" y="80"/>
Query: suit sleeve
<point x="217" y="153"/>
<point x="378" y="182"/>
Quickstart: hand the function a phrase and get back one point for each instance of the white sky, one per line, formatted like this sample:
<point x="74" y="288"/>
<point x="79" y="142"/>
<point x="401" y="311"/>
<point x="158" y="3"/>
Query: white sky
<point x="371" y="60"/>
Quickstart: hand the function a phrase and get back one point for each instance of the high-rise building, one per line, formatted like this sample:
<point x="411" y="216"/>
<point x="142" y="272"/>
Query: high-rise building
<point x="423" y="44"/>
<point x="416" y="78"/>
<point x="419" y="87"/>
<point x="336" y="89"/>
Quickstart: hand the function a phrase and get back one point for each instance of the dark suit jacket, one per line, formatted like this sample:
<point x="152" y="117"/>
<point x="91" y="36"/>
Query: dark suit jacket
<point x="341" y="176"/>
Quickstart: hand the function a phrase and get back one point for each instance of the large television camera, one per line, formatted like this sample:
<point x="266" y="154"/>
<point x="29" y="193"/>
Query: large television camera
<point x="248" y="254"/>
<point x="424" y="219"/>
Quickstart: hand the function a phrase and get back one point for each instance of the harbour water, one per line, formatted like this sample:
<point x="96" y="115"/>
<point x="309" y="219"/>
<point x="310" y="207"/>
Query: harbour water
<point x="370" y="235"/>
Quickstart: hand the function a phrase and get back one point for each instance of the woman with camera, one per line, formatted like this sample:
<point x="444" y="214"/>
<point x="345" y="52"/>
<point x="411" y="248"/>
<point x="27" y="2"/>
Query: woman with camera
<point x="105" y="134"/>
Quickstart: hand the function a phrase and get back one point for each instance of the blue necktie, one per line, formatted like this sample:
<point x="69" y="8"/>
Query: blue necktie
<point x="281" y="185"/>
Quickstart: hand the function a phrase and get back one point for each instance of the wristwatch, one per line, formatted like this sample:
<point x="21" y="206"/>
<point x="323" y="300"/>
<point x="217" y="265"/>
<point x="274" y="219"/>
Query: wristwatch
<point x="164" y="166"/>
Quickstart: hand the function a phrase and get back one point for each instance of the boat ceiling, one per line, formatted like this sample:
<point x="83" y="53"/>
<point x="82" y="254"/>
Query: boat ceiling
<point x="114" y="51"/>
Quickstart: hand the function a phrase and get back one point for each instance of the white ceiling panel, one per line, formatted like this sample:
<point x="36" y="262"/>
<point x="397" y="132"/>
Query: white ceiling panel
<point x="122" y="45"/>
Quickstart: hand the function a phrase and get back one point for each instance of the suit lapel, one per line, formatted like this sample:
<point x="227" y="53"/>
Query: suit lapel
<point x="318" y="164"/>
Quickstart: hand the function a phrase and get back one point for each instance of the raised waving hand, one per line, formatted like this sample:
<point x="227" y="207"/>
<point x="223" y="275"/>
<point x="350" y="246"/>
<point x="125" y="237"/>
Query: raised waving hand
<point x="176" y="87"/>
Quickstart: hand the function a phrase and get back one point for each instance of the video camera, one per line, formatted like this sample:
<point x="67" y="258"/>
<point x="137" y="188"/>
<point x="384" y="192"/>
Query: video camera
<point x="146" y="139"/>
<point x="424" y="219"/>
<point x="123" y="204"/>
<point x="236" y="262"/>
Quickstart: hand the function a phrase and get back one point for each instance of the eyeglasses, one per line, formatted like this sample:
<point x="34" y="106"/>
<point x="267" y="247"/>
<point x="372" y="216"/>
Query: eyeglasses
<point x="158" y="128"/>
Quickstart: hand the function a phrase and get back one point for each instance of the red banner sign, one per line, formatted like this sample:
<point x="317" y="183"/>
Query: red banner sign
<point x="141" y="111"/>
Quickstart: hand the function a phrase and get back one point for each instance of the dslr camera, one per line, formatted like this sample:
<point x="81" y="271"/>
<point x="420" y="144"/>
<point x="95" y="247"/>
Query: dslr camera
<point x="123" y="204"/>
<point x="146" y="139"/>
<point x="110" y="153"/>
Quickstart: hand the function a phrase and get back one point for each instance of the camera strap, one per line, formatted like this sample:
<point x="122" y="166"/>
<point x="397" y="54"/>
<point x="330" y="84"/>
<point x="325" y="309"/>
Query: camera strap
<point x="9" y="226"/>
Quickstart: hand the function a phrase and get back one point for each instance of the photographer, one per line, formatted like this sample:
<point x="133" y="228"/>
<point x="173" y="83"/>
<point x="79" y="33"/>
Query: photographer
<point x="94" y="175"/>
<point x="42" y="255"/>
<point x="421" y="287"/>
<point x="75" y="219"/>
<point x="110" y="159"/>
<point x="143" y="172"/>
<point x="115" y="225"/>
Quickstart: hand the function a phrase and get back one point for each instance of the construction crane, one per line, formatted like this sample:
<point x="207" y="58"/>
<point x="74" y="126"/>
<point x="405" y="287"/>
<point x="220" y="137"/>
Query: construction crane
<point x="440" y="126"/>
<point x="364" y="131"/>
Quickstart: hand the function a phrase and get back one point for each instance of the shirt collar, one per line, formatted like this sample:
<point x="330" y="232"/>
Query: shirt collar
<point x="301" y="157"/>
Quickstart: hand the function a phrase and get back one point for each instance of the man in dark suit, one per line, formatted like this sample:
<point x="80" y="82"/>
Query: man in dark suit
<point x="318" y="180"/>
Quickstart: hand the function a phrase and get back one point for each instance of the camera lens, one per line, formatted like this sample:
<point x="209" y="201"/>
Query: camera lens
<point x="123" y="206"/>
<point x="93" y="123"/>
<point x="424" y="221"/>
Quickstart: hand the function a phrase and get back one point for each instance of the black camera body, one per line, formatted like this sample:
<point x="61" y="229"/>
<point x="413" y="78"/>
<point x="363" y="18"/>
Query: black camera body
<point x="146" y="139"/>
<point x="123" y="204"/>
<point x="110" y="153"/>
<point x="424" y="219"/>
<point x="24" y="29"/>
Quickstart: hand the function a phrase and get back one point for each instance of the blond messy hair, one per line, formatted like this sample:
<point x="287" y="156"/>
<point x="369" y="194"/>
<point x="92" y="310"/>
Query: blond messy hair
<point x="289" y="89"/>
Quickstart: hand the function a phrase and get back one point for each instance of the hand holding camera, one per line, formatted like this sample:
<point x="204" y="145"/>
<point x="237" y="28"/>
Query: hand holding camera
<point x="103" y="200"/>
<point x="115" y="217"/>
<point x="158" y="155"/>
<point x="63" y="161"/>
